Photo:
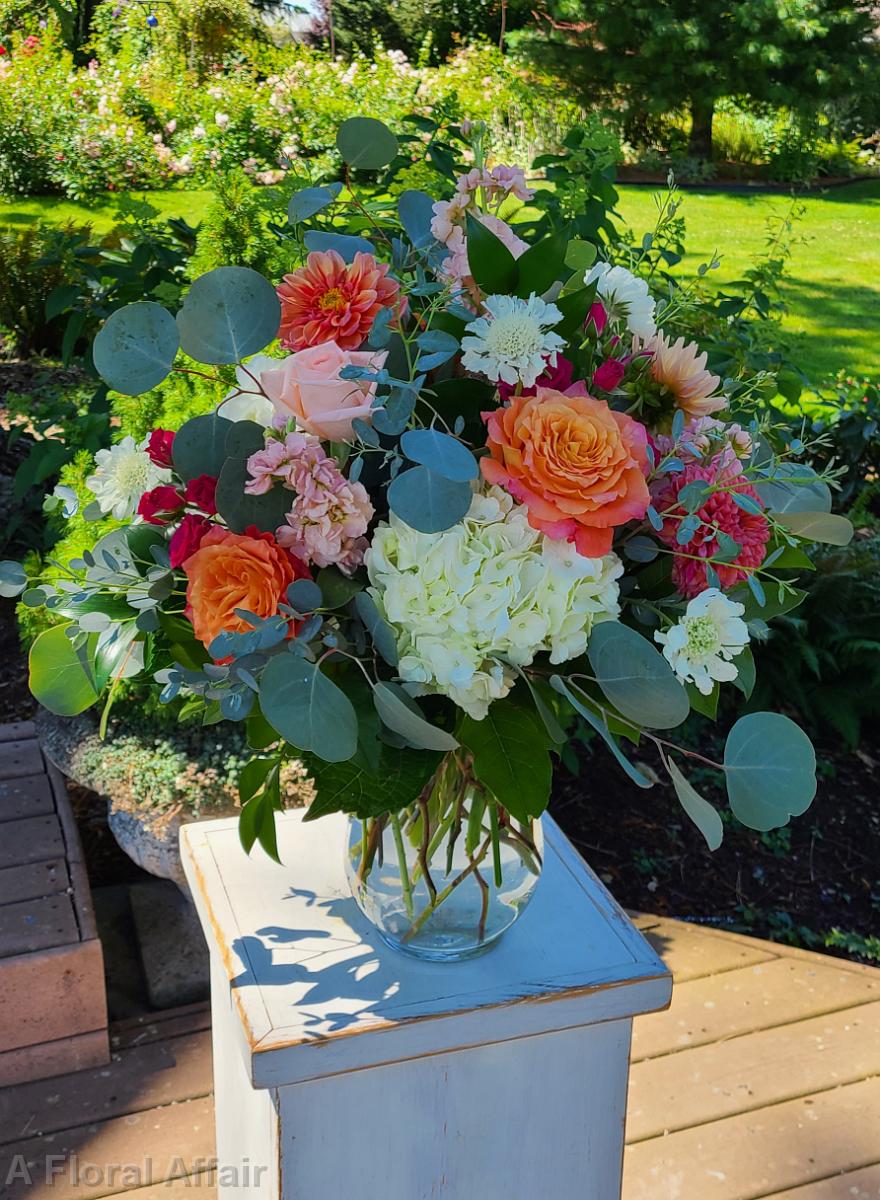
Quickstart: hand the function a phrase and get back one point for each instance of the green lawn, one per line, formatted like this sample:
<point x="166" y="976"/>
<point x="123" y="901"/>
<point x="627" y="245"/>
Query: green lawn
<point x="833" y="287"/>
<point x="833" y="283"/>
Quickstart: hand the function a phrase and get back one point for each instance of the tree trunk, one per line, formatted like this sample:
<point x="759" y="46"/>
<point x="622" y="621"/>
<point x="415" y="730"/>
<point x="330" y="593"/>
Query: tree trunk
<point x="700" y="145"/>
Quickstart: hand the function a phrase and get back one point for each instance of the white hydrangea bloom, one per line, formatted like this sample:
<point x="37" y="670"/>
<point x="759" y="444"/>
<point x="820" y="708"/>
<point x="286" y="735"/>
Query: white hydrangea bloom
<point x="247" y="401"/>
<point x="625" y="297"/>
<point x="699" y="648"/>
<point x="513" y="341"/>
<point x="471" y="604"/>
<point x="122" y="475"/>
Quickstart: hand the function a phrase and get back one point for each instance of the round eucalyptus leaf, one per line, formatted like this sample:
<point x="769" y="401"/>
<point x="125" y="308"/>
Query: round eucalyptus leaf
<point x="366" y="143"/>
<point x="825" y="527"/>
<point x="416" y="210"/>
<point x="307" y="709"/>
<point x="311" y="200"/>
<point x="795" y="487"/>
<point x="239" y="510"/>
<point x="227" y="315"/>
<point x="304" y="595"/>
<point x="135" y="348"/>
<point x="443" y="454"/>
<point x="346" y="245"/>
<point x="770" y="768"/>
<point x="13" y="578"/>
<point x="700" y="811"/>
<point x="427" y="501"/>
<point x="244" y="439"/>
<point x="636" y="678"/>
<point x="199" y="446"/>
<point x="401" y="715"/>
<point x="380" y="631"/>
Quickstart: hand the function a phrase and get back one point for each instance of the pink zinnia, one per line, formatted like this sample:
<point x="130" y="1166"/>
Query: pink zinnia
<point x="719" y="512"/>
<point x="329" y="300"/>
<point x="329" y="514"/>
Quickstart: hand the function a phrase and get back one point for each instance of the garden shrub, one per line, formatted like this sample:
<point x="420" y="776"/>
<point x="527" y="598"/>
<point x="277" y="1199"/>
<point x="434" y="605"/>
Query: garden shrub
<point x="823" y="659"/>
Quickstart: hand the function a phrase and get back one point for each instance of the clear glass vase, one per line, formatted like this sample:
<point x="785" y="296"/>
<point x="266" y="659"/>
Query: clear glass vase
<point x="443" y="878"/>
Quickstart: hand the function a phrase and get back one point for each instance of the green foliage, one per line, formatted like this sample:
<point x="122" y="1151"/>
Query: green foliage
<point x="823" y="660"/>
<point x="677" y="54"/>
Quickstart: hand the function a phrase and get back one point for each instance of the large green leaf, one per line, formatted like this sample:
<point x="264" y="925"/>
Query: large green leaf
<point x="770" y="766"/>
<point x="400" y="776"/>
<point x="636" y="678"/>
<point x="542" y="264"/>
<point x="227" y="315"/>
<point x="308" y="709"/>
<point x="62" y="678"/>
<point x="135" y="348"/>
<point x="700" y="811"/>
<point x="510" y="749"/>
<point x="491" y="263"/>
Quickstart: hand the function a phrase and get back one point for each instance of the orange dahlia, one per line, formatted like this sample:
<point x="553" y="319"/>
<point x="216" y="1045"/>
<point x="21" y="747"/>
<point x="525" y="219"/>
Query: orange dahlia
<point x="329" y="300"/>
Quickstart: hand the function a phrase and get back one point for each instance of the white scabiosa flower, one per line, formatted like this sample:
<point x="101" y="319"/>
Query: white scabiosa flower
<point x="699" y="648"/>
<point x="624" y="297"/>
<point x="471" y="604"/>
<point x="512" y="342"/>
<point x="122" y="475"/>
<point x="247" y="401"/>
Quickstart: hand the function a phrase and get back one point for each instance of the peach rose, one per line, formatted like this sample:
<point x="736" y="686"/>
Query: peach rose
<point x="235" y="570"/>
<point x="578" y="466"/>
<point x="307" y="386"/>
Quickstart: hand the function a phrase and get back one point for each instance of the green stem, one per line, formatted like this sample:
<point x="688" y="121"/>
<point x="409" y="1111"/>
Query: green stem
<point x="427" y="912"/>
<point x="405" y="883"/>
<point x="496" y="842"/>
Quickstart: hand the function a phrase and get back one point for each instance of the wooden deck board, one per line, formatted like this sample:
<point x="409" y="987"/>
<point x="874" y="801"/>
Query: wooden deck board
<point x="853" y="1185"/>
<point x="766" y="1071"/>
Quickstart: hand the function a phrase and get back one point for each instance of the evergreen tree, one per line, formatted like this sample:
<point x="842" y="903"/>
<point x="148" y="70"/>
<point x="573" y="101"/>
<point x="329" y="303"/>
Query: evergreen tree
<point x="664" y="55"/>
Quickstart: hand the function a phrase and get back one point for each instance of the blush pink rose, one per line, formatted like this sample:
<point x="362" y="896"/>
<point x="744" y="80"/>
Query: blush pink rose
<point x="307" y="387"/>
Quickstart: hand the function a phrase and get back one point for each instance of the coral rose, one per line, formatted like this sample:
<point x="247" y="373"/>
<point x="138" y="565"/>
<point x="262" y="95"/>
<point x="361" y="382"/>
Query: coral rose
<point x="331" y="300"/>
<point x="577" y="465"/>
<point x="235" y="570"/>
<point x="307" y="386"/>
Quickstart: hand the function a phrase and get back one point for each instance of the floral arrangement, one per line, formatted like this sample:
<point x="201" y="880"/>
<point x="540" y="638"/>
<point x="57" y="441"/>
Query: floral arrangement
<point x="475" y="496"/>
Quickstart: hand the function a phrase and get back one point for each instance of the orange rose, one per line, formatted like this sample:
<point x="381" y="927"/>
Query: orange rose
<point x="234" y="570"/>
<point x="577" y="465"/>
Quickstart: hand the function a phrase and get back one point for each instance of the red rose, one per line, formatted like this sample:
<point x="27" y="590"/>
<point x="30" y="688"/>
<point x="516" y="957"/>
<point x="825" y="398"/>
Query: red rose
<point x="187" y="538"/>
<point x="609" y="374"/>
<point x="158" y="506"/>
<point x="200" y="493"/>
<point x="159" y="447"/>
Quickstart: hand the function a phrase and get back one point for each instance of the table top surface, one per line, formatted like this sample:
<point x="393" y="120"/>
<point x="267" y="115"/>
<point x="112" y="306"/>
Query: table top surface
<point x="305" y="966"/>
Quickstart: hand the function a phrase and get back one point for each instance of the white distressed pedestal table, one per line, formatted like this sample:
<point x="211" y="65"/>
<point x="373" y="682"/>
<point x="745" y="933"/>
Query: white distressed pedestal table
<point x="345" y="1070"/>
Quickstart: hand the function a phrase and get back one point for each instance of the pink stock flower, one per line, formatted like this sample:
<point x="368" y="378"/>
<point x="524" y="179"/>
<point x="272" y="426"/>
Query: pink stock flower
<point x="329" y="300"/>
<point x="718" y="513"/>
<point x="329" y="515"/>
